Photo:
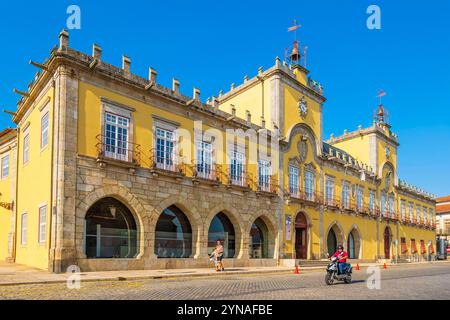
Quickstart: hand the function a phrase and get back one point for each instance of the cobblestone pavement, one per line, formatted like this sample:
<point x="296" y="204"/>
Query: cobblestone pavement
<point x="400" y="282"/>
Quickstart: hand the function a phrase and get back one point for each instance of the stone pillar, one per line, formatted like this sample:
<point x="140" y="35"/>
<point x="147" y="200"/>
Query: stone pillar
<point x="175" y="85"/>
<point x="63" y="252"/>
<point x="64" y="40"/>
<point x="96" y="52"/>
<point x="152" y="74"/>
<point x="126" y="63"/>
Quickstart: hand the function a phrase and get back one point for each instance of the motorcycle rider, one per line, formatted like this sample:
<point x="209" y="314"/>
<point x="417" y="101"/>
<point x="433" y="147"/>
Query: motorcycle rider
<point x="342" y="256"/>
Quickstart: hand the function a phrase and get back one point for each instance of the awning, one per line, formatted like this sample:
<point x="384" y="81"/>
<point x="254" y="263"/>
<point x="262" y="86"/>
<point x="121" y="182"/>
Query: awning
<point x="404" y="246"/>
<point x="413" y="246"/>
<point x="423" y="249"/>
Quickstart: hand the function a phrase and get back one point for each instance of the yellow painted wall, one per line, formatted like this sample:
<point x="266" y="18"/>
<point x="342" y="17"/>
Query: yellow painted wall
<point x="34" y="188"/>
<point x="358" y="147"/>
<point x="6" y="196"/>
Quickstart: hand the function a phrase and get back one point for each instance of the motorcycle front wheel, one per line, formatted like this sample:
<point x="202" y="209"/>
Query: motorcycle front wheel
<point x="329" y="279"/>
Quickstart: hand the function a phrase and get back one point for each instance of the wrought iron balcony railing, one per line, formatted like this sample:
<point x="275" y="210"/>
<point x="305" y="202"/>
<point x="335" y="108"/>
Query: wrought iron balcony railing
<point x="113" y="149"/>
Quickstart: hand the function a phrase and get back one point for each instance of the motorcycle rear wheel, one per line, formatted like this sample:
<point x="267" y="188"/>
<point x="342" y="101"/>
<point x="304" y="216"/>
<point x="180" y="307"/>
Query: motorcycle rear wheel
<point x="329" y="279"/>
<point x="348" y="280"/>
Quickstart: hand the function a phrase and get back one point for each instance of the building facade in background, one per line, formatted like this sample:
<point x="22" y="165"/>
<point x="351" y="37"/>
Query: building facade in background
<point x="108" y="170"/>
<point x="443" y="217"/>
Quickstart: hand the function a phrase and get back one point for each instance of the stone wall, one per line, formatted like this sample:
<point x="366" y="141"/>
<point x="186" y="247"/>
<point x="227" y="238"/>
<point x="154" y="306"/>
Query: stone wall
<point x="147" y="194"/>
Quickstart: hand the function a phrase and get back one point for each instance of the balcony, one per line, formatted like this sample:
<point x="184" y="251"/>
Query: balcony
<point x="121" y="152"/>
<point x="332" y="202"/>
<point x="310" y="196"/>
<point x="165" y="163"/>
<point x="203" y="173"/>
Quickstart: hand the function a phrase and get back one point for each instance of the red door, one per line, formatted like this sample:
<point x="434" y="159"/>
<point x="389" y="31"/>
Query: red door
<point x="387" y="243"/>
<point x="301" y="237"/>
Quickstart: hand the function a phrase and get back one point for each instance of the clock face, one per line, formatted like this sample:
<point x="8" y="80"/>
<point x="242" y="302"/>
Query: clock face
<point x="303" y="107"/>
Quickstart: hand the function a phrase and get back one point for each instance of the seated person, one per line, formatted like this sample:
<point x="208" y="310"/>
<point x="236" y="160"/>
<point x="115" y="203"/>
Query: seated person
<point x="342" y="256"/>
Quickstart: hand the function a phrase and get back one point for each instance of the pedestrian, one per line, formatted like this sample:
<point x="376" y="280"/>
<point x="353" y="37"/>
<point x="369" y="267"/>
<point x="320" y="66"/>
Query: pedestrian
<point x="217" y="254"/>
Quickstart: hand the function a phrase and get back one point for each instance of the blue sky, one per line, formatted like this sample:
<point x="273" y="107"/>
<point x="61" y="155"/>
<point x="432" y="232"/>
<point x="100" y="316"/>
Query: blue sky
<point x="210" y="44"/>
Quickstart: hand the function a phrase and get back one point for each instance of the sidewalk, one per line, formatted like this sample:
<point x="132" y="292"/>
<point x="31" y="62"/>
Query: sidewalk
<point x="14" y="274"/>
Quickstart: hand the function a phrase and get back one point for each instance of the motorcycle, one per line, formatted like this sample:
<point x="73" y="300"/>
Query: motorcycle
<point x="333" y="273"/>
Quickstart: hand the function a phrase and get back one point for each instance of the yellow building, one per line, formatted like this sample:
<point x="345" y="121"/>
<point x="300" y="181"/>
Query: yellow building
<point x="109" y="170"/>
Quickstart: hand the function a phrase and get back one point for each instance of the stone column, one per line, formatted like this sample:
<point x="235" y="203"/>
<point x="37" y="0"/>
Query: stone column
<point x="63" y="251"/>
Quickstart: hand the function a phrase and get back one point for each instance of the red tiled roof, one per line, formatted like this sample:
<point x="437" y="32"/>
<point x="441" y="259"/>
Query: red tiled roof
<point x="443" y="199"/>
<point x="443" y="208"/>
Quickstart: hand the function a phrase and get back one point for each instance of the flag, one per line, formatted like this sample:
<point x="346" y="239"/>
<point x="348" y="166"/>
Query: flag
<point x="381" y="94"/>
<point x="294" y="27"/>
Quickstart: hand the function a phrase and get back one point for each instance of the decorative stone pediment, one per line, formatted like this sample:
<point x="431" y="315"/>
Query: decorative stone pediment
<point x="302" y="148"/>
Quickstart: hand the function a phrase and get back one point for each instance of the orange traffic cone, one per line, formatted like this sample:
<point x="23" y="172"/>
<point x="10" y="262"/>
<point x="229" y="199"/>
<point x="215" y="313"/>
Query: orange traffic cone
<point x="385" y="266"/>
<point x="296" y="269"/>
<point x="358" y="267"/>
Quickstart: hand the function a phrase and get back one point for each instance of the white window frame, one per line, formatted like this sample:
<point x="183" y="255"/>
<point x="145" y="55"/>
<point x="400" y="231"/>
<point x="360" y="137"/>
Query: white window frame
<point x="329" y="190"/>
<point x="403" y="209"/>
<point x="346" y="194"/>
<point x="309" y="184"/>
<point x="383" y="203"/>
<point x="42" y="231"/>
<point x="120" y="149"/>
<point x="26" y="147"/>
<point x="391" y="204"/>
<point x="264" y="174"/>
<point x="359" y="198"/>
<point x="24" y="229"/>
<point x="294" y="180"/>
<point x="5" y="173"/>
<point x="372" y="200"/>
<point x="204" y="160"/>
<point x="45" y="129"/>
<point x="411" y="211"/>
<point x="418" y="213"/>
<point x="237" y="161"/>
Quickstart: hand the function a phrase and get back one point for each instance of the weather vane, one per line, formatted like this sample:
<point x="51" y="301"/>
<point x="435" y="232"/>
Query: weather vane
<point x="380" y="95"/>
<point x="294" y="28"/>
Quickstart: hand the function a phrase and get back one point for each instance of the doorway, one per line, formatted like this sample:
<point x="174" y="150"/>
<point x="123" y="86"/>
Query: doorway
<point x="301" y="237"/>
<point x="387" y="243"/>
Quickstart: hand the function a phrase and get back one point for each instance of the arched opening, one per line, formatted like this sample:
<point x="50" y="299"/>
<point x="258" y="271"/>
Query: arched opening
<point x="301" y="236"/>
<point x="354" y="244"/>
<point x="111" y="230"/>
<point x="331" y="242"/>
<point x="221" y="229"/>
<point x="259" y="240"/>
<point x="387" y="243"/>
<point x="335" y="238"/>
<point x="173" y="235"/>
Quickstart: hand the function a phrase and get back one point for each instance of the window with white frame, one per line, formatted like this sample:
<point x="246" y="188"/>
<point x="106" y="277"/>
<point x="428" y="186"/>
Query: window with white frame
<point x="418" y="213"/>
<point x="372" y="200"/>
<point x="264" y="173"/>
<point x="403" y="209"/>
<point x="204" y="160"/>
<point x="26" y="147"/>
<point x="346" y="194"/>
<point x="411" y="211"/>
<point x="383" y="203"/>
<point x="237" y="168"/>
<point x="294" y="174"/>
<point x="24" y="229"/>
<point x="431" y="212"/>
<point x="5" y="167"/>
<point x="42" y="224"/>
<point x="425" y="213"/>
<point x="117" y="130"/>
<point x="309" y="185"/>
<point x="44" y="129"/>
<point x="329" y="191"/>
<point x="391" y="205"/>
<point x="359" y="198"/>
<point x="165" y="149"/>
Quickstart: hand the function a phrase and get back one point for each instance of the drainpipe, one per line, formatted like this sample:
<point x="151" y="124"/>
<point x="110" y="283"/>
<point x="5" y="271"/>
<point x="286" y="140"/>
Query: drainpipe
<point x="14" y="248"/>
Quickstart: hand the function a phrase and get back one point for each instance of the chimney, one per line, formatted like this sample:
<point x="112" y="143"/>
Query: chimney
<point x="63" y="40"/>
<point x="215" y="102"/>
<point x="248" y="116"/>
<point x="260" y="70"/>
<point x="126" y="63"/>
<point x="175" y="85"/>
<point x="233" y="110"/>
<point x="96" y="52"/>
<point x="233" y="85"/>
<point x="152" y="74"/>
<point x="277" y="62"/>
<point x="245" y="78"/>
<point x="196" y="94"/>
<point x="263" y="122"/>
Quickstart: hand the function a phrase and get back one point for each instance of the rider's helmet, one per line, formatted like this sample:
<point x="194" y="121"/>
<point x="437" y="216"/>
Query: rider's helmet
<point x="341" y="247"/>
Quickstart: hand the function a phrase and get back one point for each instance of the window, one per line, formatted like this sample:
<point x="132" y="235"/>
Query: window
<point x="116" y="137"/>
<point x="294" y="173"/>
<point x="372" y="201"/>
<point x="359" y="198"/>
<point x="42" y="224"/>
<point x="391" y="206"/>
<point x="264" y="173"/>
<point x="403" y="209"/>
<point x="403" y="245"/>
<point x="26" y="148"/>
<point x="383" y="203"/>
<point x="44" y="130"/>
<point x="5" y="167"/>
<point x="24" y="228"/>
<point x="418" y="213"/>
<point x="204" y="165"/>
<point x="329" y="191"/>
<point x="165" y="149"/>
<point x="431" y="219"/>
<point x="309" y="185"/>
<point x="425" y="213"/>
<point x="237" y="168"/>
<point x="411" y="211"/>
<point x="346" y="194"/>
